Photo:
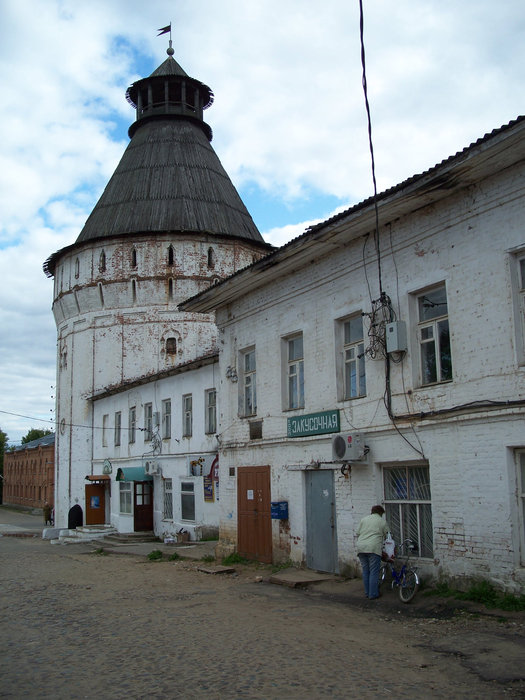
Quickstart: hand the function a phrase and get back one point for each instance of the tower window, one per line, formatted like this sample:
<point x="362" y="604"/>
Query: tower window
<point x="102" y="262"/>
<point x="171" y="346"/>
<point x="211" y="258"/>
<point x="77" y="268"/>
<point x="134" y="291"/>
<point x="171" y="255"/>
<point x="134" y="258"/>
<point x="170" y="289"/>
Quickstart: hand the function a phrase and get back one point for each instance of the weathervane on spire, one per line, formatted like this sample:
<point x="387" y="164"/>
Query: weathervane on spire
<point x="165" y="30"/>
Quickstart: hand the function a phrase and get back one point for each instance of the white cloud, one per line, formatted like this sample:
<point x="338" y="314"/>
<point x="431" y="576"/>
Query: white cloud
<point x="288" y="117"/>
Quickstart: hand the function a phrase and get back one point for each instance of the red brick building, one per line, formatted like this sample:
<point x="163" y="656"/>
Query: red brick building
<point x="29" y="473"/>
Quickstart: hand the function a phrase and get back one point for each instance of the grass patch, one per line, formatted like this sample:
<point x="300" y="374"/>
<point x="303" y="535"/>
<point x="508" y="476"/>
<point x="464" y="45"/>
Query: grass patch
<point x="208" y="558"/>
<point x="234" y="558"/>
<point x="284" y="565"/>
<point x="155" y="555"/>
<point x="100" y="552"/>
<point x="174" y="556"/>
<point x="482" y="592"/>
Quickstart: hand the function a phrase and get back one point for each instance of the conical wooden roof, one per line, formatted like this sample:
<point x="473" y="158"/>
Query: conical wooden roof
<point x="169" y="179"/>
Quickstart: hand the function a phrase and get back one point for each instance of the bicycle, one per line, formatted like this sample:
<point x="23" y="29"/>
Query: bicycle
<point x="405" y="578"/>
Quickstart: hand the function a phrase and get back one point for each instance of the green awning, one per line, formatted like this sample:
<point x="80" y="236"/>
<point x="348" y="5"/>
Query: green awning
<point x="133" y="474"/>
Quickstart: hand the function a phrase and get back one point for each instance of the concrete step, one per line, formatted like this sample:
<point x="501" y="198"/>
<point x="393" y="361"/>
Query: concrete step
<point x="130" y="537"/>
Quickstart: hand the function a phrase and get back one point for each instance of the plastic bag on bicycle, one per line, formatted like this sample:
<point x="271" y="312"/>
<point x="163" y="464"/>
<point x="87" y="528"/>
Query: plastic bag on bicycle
<point x="389" y="548"/>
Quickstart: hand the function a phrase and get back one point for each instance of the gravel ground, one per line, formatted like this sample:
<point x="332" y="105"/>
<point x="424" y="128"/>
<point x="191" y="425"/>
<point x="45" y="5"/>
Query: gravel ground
<point x="77" y="624"/>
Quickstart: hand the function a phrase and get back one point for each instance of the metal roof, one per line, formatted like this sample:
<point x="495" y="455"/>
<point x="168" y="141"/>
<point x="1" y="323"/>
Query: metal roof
<point x="489" y="154"/>
<point x="39" y="442"/>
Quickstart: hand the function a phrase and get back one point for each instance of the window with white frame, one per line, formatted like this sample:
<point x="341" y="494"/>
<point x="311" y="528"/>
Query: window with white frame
<point x="408" y="506"/>
<point x="166" y="419"/>
<point x="353" y="358"/>
<point x="187" y="500"/>
<point x="168" y="500"/>
<point x="248" y="386"/>
<point x="434" y="336"/>
<point x="118" y="427"/>
<point x="518" y="285"/>
<point x="125" y="497"/>
<point x="132" y="424"/>
<point x="520" y="473"/>
<point x="295" y="371"/>
<point x="187" y="415"/>
<point x="148" y="421"/>
<point x="105" y="422"/>
<point x="210" y="402"/>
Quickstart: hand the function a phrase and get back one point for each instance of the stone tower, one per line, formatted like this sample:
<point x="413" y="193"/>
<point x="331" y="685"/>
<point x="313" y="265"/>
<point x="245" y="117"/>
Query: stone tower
<point x="168" y="224"/>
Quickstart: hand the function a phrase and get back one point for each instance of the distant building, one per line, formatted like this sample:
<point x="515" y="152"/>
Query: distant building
<point x="364" y="366"/>
<point x="29" y="473"/>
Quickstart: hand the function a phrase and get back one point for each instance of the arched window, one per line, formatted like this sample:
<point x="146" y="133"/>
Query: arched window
<point x="77" y="268"/>
<point x="171" y="346"/>
<point x="170" y="289"/>
<point x="133" y="257"/>
<point x="211" y="258"/>
<point x="101" y="293"/>
<point x="102" y="262"/>
<point x="171" y="255"/>
<point x="134" y="291"/>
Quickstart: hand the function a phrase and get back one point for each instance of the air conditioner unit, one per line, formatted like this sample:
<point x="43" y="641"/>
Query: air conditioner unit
<point x="151" y="468"/>
<point x="349" y="447"/>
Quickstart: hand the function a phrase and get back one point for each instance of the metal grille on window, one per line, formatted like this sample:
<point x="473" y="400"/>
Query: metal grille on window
<point x="409" y="507"/>
<point x="168" y="499"/>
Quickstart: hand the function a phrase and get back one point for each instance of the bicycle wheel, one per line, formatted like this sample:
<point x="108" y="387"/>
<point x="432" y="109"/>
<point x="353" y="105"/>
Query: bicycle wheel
<point x="382" y="573"/>
<point x="408" y="586"/>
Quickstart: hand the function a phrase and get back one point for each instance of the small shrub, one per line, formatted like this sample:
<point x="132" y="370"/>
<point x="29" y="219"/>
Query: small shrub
<point x="173" y="557"/>
<point x="208" y="558"/>
<point x="100" y="551"/>
<point x="155" y="555"/>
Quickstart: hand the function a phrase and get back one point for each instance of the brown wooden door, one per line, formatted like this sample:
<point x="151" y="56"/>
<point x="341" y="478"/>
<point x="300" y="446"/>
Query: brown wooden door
<point x="254" y="518"/>
<point x="143" y="506"/>
<point x="95" y="504"/>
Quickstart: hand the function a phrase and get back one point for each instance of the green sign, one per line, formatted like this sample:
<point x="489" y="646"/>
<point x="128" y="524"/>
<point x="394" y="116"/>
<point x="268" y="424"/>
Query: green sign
<point x="314" y="424"/>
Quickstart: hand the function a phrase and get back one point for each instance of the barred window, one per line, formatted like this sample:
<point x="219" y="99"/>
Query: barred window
<point x="408" y="506"/>
<point x="168" y="499"/>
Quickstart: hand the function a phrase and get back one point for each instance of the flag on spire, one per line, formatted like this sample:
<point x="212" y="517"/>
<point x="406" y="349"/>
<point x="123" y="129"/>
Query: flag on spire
<point x="164" y="30"/>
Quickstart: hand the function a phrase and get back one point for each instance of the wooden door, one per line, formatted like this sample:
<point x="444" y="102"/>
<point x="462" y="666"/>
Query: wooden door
<point x="95" y="504"/>
<point x="254" y="518"/>
<point x="143" y="506"/>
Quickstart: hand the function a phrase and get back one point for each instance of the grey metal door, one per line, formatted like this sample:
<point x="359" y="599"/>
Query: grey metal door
<point x="321" y="535"/>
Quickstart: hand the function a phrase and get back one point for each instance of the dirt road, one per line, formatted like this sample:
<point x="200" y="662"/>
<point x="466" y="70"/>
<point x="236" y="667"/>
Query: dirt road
<point x="85" y="625"/>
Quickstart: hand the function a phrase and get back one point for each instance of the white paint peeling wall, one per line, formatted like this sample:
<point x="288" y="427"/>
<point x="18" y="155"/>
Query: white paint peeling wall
<point x="470" y="242"/>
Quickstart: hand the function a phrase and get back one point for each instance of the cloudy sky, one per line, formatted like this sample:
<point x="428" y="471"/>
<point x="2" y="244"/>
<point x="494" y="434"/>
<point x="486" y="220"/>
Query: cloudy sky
<point x="288" y="119"/>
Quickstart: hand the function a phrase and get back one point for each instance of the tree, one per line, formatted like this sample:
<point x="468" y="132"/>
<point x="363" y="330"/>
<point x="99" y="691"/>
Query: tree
<point x="34" y="434"/>
<point x="3" y="447"/>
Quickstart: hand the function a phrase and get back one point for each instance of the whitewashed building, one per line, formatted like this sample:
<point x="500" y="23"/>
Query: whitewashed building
<point x="168" y="224"/>
<point x="156" y="453"/>
<point x="362" y="365"/>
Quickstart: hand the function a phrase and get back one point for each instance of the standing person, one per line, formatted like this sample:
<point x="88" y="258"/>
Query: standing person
<point x="371" y="533"/>
<point x="47" y="513"/>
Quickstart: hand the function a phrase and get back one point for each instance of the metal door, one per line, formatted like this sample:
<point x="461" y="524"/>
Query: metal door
<point x="254" y="520"/>
<point x="321" y="550"/>
<point x="143" y="506"/>
<point x="95" y="504"/>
